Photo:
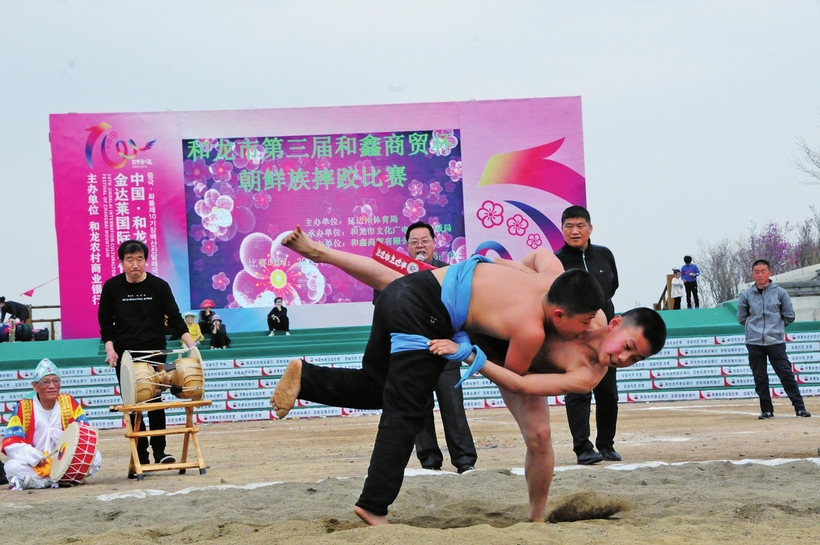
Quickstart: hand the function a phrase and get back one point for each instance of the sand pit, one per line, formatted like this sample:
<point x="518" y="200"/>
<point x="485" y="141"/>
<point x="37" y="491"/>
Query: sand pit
<point x="692" y="473"/>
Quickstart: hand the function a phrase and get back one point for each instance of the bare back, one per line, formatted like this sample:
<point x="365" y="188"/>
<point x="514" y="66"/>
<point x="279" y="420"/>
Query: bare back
<point x="508" y="304"/>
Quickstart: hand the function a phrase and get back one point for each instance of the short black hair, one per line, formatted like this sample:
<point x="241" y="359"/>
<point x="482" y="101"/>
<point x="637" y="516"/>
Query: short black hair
<point x="278" y="299"/>
<point x="416" y="226"/>
<point x="687" y="259"/>
<point x="132" y="247"/>
<point x="651" y="323"/>
<point x="761" y="262"/>
<point x="575" y="212"/>
<point x="576" y="291"/>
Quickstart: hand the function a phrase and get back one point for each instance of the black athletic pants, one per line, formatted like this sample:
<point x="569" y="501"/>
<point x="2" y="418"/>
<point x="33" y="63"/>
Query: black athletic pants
<point x="606" y="414"/>
<point x="457" y="433"/>
<point x="400" y="384"/>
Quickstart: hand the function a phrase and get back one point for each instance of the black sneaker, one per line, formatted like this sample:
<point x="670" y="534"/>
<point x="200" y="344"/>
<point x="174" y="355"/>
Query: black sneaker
<point x="803" y="413"/>
<point x="165" y="459"/>
<point x="431" y="468"/>
<point x="465" y="469"/>
<point x="765" y="414"/>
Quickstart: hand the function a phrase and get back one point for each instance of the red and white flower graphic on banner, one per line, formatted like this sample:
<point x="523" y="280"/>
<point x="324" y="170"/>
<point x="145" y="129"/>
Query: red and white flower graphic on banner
<point x="491" y="214"/>
<point x="517" y="225"/>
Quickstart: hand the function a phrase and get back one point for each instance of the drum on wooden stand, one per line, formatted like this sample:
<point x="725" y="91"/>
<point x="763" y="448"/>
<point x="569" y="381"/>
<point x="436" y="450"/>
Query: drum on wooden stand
<point x="139" y="382"/>
<point x="187" y="379"/>
<point x="74" y="455"/>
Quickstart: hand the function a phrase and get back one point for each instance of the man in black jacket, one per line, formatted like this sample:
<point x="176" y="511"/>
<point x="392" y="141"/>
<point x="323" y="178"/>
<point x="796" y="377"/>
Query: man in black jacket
<point x="578" y="253"/>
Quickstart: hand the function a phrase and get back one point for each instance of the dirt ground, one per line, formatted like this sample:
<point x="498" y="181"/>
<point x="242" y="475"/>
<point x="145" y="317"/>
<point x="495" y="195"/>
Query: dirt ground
<point x="693" y="472"/>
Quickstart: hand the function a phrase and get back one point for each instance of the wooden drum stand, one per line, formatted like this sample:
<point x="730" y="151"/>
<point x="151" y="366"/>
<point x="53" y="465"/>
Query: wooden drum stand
<point x="140" y="383"/>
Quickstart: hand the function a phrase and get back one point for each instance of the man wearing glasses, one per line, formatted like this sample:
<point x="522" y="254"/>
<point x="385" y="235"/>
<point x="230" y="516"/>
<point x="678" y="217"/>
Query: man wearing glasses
<point x="421" y="245"/>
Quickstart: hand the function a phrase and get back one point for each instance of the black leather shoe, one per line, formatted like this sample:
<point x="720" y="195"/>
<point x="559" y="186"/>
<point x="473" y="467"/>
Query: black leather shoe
<point x="803" y="413"/>
<point x="765" y="414"/>
<point x="609" y="454"/>
<point x="589" y="457"/>
<point x="465" y="469"/>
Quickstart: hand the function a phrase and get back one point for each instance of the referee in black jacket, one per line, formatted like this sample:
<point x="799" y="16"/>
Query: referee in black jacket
<point x="578" y="253"/>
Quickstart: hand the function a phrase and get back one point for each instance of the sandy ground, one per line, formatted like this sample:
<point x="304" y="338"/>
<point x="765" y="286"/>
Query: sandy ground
<point x="698" y="480"/>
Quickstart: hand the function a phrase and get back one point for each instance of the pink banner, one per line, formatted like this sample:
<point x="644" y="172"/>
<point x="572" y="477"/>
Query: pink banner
<point x="211" y="193"/>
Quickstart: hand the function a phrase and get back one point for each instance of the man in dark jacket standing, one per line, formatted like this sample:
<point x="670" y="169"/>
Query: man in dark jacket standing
<point x="578" y="253"/>
<point x="765" y="309"/>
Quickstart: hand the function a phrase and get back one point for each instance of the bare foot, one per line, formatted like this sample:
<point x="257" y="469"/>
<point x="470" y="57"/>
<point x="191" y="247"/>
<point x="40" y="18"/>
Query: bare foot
<point x="369" y="518"/>
<point x="300" y="243"/>
<point x="287" y="390"/>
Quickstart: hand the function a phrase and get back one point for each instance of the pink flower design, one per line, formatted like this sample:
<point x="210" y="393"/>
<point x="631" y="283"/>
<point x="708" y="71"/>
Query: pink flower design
<point x="199" y="189"/>
<point x="491" y="214"/>
<point x="458" y="251"/>
<point x="449" y="186"/>
<point x="270" y="270"/>
<point x="517" y="225"/>
<point x="534" y="240"/>
<point x="195" y="171"/>
<point x="443" y="239"/>
<point x="215" y="211"/>
<point x="435" y="188"/>
<point x="454" y="170"/>
<point x="220" y="281"/>
<point x="209" y="247"/>
<point x="221" y="170"/>
<point x="261" y="200"/>
<point x="196" y="232"/>
<point x="366" y="209"/>
<point x="248" y="155"/>
<point x="414" y="209"/>
<point x="416" y="188"/>
<point x="443" y="142"/>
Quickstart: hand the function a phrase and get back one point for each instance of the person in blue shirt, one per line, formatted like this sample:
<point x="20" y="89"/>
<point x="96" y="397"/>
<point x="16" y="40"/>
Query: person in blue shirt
<point x="690" y="273"/>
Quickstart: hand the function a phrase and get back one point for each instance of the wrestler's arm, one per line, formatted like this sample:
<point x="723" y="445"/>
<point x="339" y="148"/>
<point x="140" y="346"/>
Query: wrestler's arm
<point x="524" y="346"/>
<point x="580" y="381"/>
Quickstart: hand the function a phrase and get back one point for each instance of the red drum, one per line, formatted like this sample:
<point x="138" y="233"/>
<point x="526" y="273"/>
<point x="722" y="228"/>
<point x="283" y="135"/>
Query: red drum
<point x="75" y="451"/>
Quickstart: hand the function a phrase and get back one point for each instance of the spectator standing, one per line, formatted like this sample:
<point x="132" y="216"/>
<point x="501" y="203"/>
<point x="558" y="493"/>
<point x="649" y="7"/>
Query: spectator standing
<point x="579" y="253"/>
<point x="132" y="313"/>
<point x="765" y="309"/>
<point x="278" y="318"/>
<point x="690" y="274"/>
<point x="677" y="289"/>
<point x="421" y="245"/>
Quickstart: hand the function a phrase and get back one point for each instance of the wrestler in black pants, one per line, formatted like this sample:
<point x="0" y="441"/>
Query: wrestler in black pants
<point x="156" y="419"/>
<point x="606" y="414"/>
<point x="401" y="384"/>
<point x="456" y="429"/>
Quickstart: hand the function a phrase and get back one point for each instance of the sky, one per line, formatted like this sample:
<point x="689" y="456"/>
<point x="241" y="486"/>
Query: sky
<point x="691" y="110"/>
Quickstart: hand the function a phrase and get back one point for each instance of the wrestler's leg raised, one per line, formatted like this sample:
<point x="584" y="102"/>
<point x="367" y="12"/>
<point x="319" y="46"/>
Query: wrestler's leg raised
<point x="532" y="414"/>
<point x="362" y="268"/>
<point x="287" y="390"/>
